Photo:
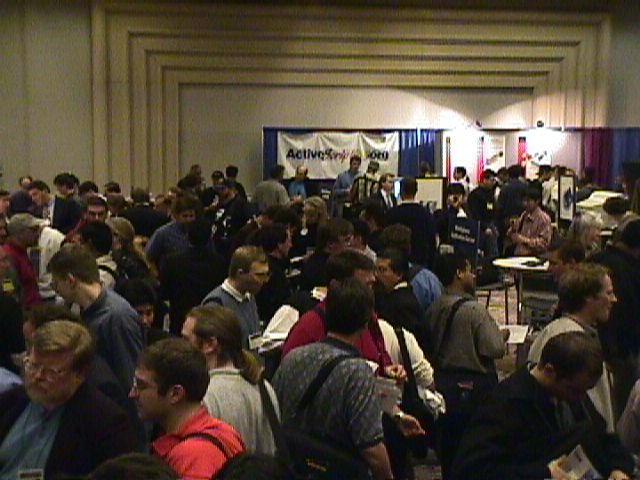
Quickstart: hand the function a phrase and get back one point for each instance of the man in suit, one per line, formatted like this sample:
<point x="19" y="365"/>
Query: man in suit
<point x="385" y="194"/>
<point x="63" y="214"/>
<point x="57" y="424"/>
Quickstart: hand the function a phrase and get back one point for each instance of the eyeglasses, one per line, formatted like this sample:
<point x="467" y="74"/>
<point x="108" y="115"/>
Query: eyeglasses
<point x="139" y="385"/>
<point x="49" y="373"/>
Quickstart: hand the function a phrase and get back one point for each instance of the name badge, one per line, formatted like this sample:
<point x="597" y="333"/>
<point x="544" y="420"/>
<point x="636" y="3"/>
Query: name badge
<point x="31" y="474"/>
<point x="489" y="206"/>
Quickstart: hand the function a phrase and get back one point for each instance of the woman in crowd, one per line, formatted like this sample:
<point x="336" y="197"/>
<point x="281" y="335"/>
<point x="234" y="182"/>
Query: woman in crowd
<point x="131" y="263"/>
<point x="234" y="393"/>
<point x="585" y="229"/>
<point x="314" y="214"/>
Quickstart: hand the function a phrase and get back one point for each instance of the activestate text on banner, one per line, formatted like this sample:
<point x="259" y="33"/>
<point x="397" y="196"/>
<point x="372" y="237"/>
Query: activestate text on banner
<point x="326" y="154"/>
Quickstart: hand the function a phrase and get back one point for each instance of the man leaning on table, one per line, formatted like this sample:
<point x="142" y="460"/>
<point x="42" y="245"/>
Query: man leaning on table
<point x="531" y="233"/>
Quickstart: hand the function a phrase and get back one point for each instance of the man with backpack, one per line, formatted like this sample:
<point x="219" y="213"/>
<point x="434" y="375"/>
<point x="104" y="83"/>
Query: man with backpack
<point x="169" y="383"/>
<point x="345" y="409"/>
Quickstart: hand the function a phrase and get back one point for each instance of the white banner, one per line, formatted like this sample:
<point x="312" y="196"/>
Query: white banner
<point x="326" y="154"/>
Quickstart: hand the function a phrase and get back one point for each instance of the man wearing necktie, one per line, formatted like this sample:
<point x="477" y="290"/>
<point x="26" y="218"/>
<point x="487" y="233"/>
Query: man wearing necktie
<point x="385" y="195"/>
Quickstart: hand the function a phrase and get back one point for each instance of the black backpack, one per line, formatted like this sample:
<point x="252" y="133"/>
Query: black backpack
<point x="307" y="456"/>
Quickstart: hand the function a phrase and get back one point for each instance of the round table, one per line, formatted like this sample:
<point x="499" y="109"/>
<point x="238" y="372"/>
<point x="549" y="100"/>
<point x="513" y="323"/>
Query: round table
<point x="522" y="266"/>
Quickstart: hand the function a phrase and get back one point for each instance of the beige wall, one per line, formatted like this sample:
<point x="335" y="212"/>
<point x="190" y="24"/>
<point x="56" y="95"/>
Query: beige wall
<point x="46" y="120"/>
<point x="624" y="85"/>
<point x="222" y="125"/>
<point x="47" y="106"/>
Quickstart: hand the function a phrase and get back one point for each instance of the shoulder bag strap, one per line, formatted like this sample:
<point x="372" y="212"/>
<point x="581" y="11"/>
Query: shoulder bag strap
<point x="211" y="438"/>
<point x="317" y="382"/>
<point x="447" y="326"/>
<point x="274" y="423"/>
<point x="109" y="270"/>
<point x="406" y="362"/>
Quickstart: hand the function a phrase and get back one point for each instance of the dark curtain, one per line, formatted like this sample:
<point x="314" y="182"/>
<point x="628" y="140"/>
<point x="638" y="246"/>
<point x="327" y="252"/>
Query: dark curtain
<point x="416" y="146"/>
<point x="626" y="148"/>
<point x="598" y="154"/>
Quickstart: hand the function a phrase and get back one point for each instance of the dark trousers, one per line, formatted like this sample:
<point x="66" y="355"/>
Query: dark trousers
<point x="397" y="449"/>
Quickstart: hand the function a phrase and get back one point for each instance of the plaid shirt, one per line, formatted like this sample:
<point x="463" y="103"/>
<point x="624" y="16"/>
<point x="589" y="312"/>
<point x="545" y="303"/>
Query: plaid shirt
<point x="534" y="233"/>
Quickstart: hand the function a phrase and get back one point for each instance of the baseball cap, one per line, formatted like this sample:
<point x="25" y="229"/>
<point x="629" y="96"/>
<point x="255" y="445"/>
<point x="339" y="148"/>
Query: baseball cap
<point x="23" y="221"/>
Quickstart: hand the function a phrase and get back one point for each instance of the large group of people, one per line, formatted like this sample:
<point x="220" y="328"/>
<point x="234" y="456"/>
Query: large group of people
<point x="131" y="330"/>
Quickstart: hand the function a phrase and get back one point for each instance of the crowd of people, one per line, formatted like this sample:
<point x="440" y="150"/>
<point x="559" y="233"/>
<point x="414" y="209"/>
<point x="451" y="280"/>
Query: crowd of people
<point x="131" y="330"/>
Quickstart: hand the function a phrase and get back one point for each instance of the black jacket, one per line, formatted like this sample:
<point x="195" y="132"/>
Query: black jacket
<point x="66" y="214"/>
<point x="481" y="205"/>
<point x="276" y="291"/>
<point x="515" y="435"/>
<point x="186" y="278"/>
<point x="620" y="336"/>
<point x="145" y="219"/>
<point x="92" y="429"/>
<point x="423" y="230"/>
<point x="400" y="308"/>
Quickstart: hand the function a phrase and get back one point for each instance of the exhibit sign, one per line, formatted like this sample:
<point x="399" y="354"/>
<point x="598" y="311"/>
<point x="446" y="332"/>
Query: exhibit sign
<point x="465" y="237"/>
<point x="326" y="154"/>
<point x="567" y="197"/>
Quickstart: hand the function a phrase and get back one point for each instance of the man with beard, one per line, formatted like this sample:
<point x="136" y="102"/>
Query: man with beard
<point x="465" y="342"/>
<point x="57" y="424"/>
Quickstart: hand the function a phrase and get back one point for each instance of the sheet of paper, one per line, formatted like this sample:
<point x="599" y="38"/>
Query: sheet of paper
<point x="389" y="393"/>
<point x="577" y="465"/>
<point x="518" y="333"/>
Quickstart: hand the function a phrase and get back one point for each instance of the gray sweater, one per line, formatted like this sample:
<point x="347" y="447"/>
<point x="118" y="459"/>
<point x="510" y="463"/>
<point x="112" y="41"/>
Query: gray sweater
<point x="246" y="310"/>
<point x="474" y="340"/>
<point x="236" y="401"/>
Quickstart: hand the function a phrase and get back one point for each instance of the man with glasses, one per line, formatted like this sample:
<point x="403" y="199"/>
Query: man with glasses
<point x="248" y="272"/>
<point x="168" y="387"/>
<point x="58" y="425"/>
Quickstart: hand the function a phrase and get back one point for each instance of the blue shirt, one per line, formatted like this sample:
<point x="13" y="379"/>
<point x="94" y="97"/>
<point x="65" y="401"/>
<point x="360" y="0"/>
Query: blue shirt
<point x="297" y="189"/>
<point x="168" y="239"/>
<point x="343" y="184"/>
<point x="28" y="443"/>
<point x="119" y="334"/>
<point x="426" y="287"/>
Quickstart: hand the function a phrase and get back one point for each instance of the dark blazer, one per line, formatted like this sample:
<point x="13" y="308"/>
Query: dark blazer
<point x="66" y="214"/>
<point x="379" y="199"/>
<point x="92" y="429"/>
<point x="186" y="278"/>
<point x="145" y="219"/>
<point x="423" y="230"/>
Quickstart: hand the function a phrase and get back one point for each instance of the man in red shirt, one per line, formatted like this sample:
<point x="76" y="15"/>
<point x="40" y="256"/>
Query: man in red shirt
<point x="169" y="383"/>
<point x="24" y="231"/>
<point x="312" y="326"/>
